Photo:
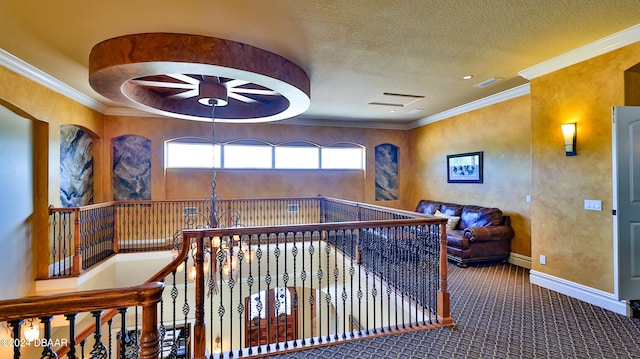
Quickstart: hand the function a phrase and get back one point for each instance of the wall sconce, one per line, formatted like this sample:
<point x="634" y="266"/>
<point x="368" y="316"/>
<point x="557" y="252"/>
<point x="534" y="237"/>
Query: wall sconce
<point x="569" y="132"/>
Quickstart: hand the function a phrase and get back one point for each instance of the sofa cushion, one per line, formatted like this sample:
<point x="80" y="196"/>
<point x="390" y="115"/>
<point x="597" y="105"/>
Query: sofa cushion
<point x="451" y="209"/>
<point x="476" y="216"/>
<point x="428" y="207"/>
<point x="452" y="221"/>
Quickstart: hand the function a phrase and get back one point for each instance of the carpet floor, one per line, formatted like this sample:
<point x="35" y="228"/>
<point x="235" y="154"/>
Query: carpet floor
<point x="500" y="314"/>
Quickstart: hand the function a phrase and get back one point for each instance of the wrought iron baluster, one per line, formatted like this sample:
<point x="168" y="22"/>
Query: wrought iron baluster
<point x="99" y="350"/>
<point x="344" y="277"/>
<point x="267" y="281"/>
<point x="285" y="280"/>
<point x="71" y="318"/>
<point x="319" y="293"/>
<point x="303" y="277"/>
<point x="110" y="337"/>
<point x="336" y="273"/>
<point x="358" y="249"/>
<point x="312" y="292"/>
<point x="392" y="258"/>
<point x="327" y="248"/>
<point x="240" y="306"/>
<point x="16" y="325"/>
<point x="47" y="351"/>
<point x="231" y="284"/>
<point x="220" y="259"/>
<point x="276" y="302"/>
<point x="294" y="253"/>
<point x="124" y="333"/>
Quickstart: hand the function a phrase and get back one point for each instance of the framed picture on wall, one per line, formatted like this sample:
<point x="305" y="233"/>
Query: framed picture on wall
<point x="464" y="168"/>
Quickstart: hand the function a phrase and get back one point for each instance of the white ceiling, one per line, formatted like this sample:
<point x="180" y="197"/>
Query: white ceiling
<point x="354" y="51"/>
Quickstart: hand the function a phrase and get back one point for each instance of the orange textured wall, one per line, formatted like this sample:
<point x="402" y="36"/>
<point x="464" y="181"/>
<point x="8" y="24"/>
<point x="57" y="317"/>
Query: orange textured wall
<point x="175" y="183"/>
<point x="578" y="244"/>
<point x="47" y="106"/>
<point x="502" y="132"/>
<point x="48" y="110"/>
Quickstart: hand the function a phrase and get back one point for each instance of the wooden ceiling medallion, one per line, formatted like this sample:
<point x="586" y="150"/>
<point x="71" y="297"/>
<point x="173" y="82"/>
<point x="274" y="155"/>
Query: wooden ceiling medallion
<point x="181" y="76"/>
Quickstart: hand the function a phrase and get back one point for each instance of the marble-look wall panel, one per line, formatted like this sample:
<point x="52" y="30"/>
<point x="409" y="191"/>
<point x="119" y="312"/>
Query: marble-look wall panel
<point x="76" y="166"/>
<point x="386" y="172"/>
<point x="131" y="168"/>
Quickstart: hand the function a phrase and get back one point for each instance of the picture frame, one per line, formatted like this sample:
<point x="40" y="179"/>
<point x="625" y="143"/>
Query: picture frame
<point x="465" y="167"/>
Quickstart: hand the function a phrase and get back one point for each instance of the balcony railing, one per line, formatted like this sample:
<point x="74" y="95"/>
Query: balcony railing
<point x="325" y="270"/>
<point x="280" y="288"/>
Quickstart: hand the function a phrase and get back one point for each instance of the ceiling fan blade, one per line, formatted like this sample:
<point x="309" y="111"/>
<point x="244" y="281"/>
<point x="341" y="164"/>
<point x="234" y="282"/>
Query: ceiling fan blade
<point x="172" y="85"/>
<point x="241" y="98"/>
<point x="254" y="91"/>
<point x="185" y="94"/>
<point x="185" y="78"/>
<point x="234" y="83"/>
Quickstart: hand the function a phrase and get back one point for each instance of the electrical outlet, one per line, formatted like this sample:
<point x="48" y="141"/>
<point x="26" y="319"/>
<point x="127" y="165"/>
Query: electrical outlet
<point x="543" y="259"/>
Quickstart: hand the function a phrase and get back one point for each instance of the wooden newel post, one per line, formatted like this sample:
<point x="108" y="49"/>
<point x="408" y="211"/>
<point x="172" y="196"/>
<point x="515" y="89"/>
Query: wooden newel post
<point x="77" y="257"/>
<point x="116" y="240"/>
<point x="149" y="341"/>
<point x="444" y="312"/>
<point x="199" y="329"/>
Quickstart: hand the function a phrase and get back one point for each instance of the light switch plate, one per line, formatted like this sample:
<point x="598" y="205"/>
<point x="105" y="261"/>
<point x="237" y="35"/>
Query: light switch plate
<point x="592" y="205"/>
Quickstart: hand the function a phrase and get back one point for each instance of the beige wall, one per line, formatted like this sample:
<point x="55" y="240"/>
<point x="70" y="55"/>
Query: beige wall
<point x="578" y="244"/>
<point x="502" y="132"/>
<point x="196" y="184"/>
<point x="47" y="110"/>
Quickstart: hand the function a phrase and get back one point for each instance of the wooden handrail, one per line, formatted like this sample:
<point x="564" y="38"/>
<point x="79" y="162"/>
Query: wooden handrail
<point x="376" y="207"/>
<point x="146" y="295"/>
<point x="86" y="301"/>
<point x="212" y="232"/>
<point x="158" y="277"/>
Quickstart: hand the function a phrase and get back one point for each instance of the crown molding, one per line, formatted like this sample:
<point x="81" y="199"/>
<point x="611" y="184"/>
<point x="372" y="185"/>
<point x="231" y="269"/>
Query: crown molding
<point x="344" y="123"/>
<point x="474" y="105"/>
<point x="129" y="112"/>
<point x="31" y="72"/>
<point x="612" y="42"/>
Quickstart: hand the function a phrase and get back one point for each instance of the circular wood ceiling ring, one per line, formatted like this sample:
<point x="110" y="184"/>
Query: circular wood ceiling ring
<point x="179" y="75"/>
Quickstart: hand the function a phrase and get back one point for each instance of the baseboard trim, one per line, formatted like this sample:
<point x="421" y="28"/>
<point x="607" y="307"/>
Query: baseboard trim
<point x="520" y="260"/>
<point x="578" y="291"/>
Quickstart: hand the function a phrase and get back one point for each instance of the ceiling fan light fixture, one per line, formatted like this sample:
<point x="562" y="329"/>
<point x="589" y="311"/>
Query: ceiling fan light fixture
<point x="172" y="75"/>
<point x="212" y="94"/>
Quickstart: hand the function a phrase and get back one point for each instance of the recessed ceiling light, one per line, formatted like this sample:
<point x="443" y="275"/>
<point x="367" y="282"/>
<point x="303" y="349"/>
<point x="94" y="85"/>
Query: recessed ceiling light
<point x="468" y="77"/>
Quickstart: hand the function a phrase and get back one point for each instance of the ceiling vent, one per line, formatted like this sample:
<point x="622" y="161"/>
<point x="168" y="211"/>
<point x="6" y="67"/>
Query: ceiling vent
<point x="395" y="99"/>
<point x="487" y="82"/>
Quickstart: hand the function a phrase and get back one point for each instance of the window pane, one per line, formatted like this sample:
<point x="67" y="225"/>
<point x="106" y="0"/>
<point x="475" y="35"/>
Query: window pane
<point x="192" y="155"/>
<point x="247" y="156"/>
<point x="297" y="157"/>
<point x="342" y="158"/>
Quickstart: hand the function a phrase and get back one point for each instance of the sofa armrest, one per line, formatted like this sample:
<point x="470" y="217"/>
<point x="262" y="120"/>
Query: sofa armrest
<point x="489" y="233"/>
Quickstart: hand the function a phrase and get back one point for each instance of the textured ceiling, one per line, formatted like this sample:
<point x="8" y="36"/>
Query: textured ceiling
<point x="354" y="51"/>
